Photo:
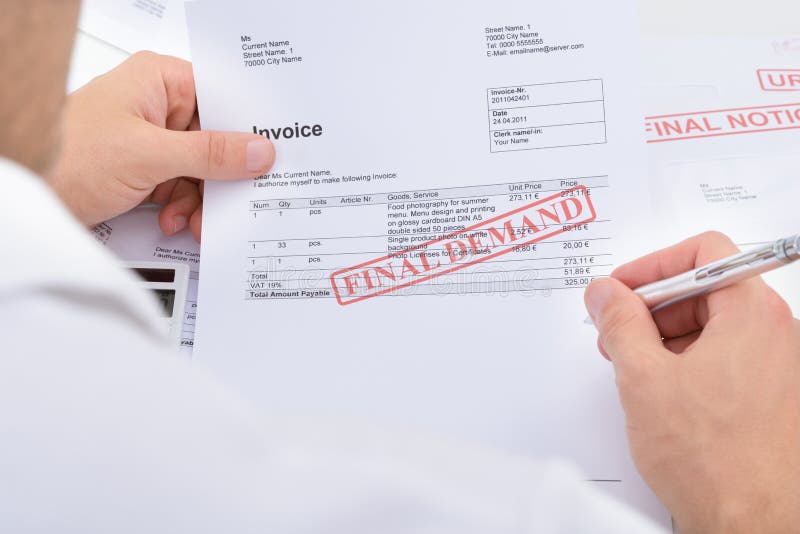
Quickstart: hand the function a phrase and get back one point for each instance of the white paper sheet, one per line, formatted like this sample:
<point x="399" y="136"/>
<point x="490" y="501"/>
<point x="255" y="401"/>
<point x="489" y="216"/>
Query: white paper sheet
<point x="724" y="140"/>
<point x="136" y="237"/>
<point x="724" y="134"/>
<point x="388" y="119"/>
<point x="133" y="25"/>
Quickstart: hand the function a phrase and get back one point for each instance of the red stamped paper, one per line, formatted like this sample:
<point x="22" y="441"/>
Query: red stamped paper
<point x="780" y="80"/>
<point x="721" y="122"/>
<point x="488" y="239"/>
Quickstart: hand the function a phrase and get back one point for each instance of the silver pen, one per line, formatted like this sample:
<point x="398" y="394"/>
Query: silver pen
<point x="719" y="274"/>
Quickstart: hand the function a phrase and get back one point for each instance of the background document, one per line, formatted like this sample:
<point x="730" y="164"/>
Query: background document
<point x="396" y="124"/>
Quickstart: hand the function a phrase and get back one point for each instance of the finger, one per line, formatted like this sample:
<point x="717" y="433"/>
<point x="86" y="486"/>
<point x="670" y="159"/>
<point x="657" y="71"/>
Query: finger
<point x="682" y="318"/>
<point x="165" y="87"/>
<point x="679" y="345"/>
<point x="602" y="351"/>
<point x="194" y="124"/>
<point x="671" y="261"/>
<point x="628" y="334"/>
<point x="178" y="76"/>
<point x="690" y="254"/>
<point x="177" y="98"/>
<point x="207" y="154"/>
<point x="196" y="222"/>
<point x="185" y="200"/>
<point x="163" y="192"/>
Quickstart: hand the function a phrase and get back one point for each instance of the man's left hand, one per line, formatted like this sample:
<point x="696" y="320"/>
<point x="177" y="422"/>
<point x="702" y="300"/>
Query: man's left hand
<point x="133" y="136"/>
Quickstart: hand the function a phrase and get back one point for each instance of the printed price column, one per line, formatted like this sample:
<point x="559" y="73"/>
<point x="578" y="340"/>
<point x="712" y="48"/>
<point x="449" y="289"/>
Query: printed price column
<point x="550" y="115"/>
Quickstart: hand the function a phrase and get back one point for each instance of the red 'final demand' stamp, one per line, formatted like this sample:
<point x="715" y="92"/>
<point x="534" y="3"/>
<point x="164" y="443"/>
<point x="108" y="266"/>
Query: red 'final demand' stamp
<point x="488" y="239"/>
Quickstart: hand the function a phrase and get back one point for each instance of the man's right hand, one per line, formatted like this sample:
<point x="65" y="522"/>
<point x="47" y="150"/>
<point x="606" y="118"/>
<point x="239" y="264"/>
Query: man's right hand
<point x="711" y="392"/>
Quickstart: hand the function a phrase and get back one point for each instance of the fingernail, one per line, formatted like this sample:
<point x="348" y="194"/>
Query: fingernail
<point x="597" y="295"/>
<point x="260" y="154"/>
<point x="178" y="224"/>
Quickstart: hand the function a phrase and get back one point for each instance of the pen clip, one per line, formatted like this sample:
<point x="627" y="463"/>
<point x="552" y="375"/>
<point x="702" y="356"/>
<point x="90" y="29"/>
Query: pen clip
<point x="742" y="260"/>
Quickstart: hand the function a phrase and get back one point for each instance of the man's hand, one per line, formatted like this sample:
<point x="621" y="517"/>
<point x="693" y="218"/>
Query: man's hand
<point x="711" y="392"/>
<point x="132" y="136"/>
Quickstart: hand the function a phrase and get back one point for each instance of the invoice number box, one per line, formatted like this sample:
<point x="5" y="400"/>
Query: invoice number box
<point x="547" y="115"/>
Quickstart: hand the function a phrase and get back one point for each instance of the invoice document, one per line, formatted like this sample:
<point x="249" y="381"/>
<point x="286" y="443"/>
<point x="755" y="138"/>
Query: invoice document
<point x="450" y="176"/>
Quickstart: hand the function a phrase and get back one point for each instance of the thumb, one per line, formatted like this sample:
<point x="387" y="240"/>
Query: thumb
<point x="211" y="154"/>
<point x="628" y="333"/>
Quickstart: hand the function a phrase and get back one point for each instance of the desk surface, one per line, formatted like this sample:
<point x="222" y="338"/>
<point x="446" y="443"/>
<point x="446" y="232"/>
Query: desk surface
<point x="93" y="57"/>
